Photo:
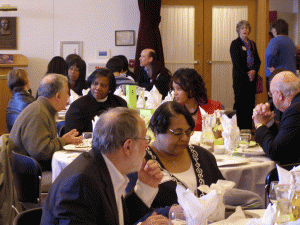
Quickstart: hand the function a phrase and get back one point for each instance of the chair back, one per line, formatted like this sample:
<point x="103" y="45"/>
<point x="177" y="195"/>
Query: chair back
<point x="31" y="216"/>
<point x="60" y="126"/>
<point x="273" y="176"/>
<point x="27" y="175"/>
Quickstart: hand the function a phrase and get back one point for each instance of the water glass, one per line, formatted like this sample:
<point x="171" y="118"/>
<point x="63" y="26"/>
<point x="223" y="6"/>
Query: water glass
<point x="272" y="194"/>
<point x="177" y="215"/>
<point x="87" y="138"/>
<point x="284" y="195"/>
<point x="244" y="141"/>
<point x="246" y="132"/>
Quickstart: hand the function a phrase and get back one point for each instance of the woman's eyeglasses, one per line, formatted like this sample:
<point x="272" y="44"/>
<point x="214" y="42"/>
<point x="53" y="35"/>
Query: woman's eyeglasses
<point x="179" y="134"/>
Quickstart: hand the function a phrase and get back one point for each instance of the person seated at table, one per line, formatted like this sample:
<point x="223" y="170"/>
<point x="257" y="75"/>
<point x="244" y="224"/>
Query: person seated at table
<point x="81" y="112"/>
<point x="91" y="190"/>
<point x="181" y="163"/>
<point x="279" y="143"/>
<point x="153" y="73"/>
<point x="115" y="64"/>
<point x="189" y="90"/>
<point x="76" y="75"/>
<point x="18" y="83"/>
<point x="125" y="68"/>
<point x="34" y="132"/>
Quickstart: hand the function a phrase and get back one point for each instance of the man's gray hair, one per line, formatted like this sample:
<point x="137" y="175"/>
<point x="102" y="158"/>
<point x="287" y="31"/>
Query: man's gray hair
<point x="114" y="127"/>
<point x="288" y="87"/>
<point x="51" y="84"/>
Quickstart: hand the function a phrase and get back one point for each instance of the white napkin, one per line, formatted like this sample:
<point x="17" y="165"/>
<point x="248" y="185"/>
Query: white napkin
<point x="237" y="218"/>
<point x="85" y="91"/>
<point x="196" y="209"/>
<point x="73" y="96"/>
<point x="285" y="176"/>
<point x="231" y="132"/>
<point x="154" y="99"/>
<point x="220" y="187"/>
<point x="268" y="217"/>
<point x="94" y="121"/>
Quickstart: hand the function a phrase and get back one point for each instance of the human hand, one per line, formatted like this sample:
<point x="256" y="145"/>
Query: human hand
<point x="271" y="69"/>
<point x="156" y="219"/>
<point x="150" y="173"/>
<point x="262" y="114"/>
<point x="71" y="137"/>
<point x="251" y="75"/>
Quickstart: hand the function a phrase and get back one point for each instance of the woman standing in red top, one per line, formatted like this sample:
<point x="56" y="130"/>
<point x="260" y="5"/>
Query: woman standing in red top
<point x="190" y="91"/>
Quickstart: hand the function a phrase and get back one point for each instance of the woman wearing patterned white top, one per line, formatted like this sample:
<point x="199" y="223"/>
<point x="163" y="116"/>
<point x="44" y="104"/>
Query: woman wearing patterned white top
<point x="181" y="163"/>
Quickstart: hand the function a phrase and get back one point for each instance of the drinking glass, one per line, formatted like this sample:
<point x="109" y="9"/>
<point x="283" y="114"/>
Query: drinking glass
<point x="284" y="195"/>
<point x="272" y="194"/>
<point x="87" y="139"/>
<point x="177" y="215"/>
<point x="244" y="141"/>
<point x="246" y="132"/>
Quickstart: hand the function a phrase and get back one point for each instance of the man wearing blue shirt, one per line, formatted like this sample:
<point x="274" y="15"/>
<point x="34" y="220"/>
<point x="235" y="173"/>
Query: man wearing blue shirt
<point x="281" y="51"/>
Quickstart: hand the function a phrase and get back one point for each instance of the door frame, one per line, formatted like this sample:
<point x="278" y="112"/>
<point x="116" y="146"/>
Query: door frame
<point x="260" y="36"/>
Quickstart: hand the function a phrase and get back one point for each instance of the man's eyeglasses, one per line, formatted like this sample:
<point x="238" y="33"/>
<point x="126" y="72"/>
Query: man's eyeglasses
<point x="147" y="138"/>
<point x="179" y="134"/>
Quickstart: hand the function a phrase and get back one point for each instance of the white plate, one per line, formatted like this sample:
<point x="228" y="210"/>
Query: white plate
<point x="226" y="160"/>
<point x="254" y="151"/>
<point x="74" y="148"/>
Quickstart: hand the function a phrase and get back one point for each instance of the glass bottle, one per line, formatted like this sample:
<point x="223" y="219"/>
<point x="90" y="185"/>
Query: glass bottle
<point x="207" y="136"/>
<point x="296" y="197"/>
<point x="218" y="125"/>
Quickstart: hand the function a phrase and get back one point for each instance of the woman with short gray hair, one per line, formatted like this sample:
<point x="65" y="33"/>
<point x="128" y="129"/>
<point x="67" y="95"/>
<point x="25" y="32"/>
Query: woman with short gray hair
<point x="246" y="64"/>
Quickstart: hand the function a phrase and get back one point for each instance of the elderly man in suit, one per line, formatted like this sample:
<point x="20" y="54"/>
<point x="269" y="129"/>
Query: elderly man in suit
<point x="91" y="190"/>
<point x="279" y="144"/>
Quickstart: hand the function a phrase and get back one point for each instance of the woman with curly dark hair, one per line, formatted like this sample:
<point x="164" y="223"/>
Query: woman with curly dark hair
<point x="189" y="90"/>
<point x="76" y="75"/>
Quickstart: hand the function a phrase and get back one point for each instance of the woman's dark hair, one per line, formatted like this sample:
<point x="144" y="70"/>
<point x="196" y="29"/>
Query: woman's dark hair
<point x="81" y="82"/>
<point x="70" y="57"/>
<point x="160" y="120"/>
<point x="103" y="72"/>
<point x="157" y="68"/>
<point x="57" y="65"/>
<point x="124" y="62"/>
<point x="17" y="79"/>
<point x="192" y="83"/>
<point x="115" y="64"/>
<point x="282" y="27"/>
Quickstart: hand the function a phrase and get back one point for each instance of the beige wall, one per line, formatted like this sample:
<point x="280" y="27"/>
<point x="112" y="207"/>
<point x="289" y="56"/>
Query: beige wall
<point x="42" y="24"/>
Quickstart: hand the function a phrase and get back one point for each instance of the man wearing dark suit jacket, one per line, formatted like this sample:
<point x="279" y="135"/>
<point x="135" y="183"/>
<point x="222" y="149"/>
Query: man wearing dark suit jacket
<point x="91" y="189"/>
<point x="280" y="144"/>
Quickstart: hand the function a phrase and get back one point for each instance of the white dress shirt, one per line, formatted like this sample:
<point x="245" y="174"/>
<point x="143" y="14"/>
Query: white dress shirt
<point x="119" y="181"/>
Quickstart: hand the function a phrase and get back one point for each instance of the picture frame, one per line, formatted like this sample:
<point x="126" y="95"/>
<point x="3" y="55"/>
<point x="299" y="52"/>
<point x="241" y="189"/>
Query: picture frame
<point x="124" y="37"/>
<point x="8" y="33"/>
<point x="70" y="47"/>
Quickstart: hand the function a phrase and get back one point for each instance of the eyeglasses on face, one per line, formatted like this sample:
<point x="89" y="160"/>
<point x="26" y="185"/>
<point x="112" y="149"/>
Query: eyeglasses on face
<point x="179" y="133"/>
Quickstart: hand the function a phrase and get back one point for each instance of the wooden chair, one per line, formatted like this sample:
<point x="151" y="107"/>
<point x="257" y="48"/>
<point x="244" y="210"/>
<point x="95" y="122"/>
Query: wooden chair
<point x="31" y="216"/>
<point x="27" y="176"/>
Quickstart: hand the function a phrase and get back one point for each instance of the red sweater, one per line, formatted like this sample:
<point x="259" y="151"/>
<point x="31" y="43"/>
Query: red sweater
<point x="210" y="107"/>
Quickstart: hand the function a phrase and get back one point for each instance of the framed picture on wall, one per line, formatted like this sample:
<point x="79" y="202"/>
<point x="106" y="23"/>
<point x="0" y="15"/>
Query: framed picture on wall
<point x="8" y="32"/>
<point x="125" y="38"/>
<point x="70" y="47"/>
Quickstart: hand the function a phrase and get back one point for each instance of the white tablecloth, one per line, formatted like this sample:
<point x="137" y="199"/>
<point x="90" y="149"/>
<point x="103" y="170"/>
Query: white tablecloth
<point x="60" y="160"/>
<point x="250" y="176"/>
